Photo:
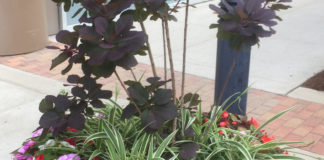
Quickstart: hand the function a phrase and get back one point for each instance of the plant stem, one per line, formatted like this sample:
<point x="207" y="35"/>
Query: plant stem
<point x="133" y="74"/>
<point x="149" y="49"/>
<point x="174" y="8"/>
<point x="171" y="67"/>
<point x="212" y="120"/>
<point x="184" y="51"/>
<point x="227" y="78"/>
<point x="122" y="84"/>
<point x="164" y="55"/>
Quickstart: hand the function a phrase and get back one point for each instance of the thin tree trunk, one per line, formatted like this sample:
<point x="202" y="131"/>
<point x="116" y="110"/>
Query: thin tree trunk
<point x="122" y="84"/>
<point x="149" y="49"/>
<point x="184" y="50"/>
<point x="171" y="67"/>
<point x="164" y="55"/>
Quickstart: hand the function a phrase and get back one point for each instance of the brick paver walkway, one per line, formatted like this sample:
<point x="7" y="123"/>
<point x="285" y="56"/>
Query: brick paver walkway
<point x="305" y="123"/>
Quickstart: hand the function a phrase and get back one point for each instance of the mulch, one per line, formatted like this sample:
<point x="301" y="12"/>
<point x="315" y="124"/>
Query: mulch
<point x="316" y="82"/>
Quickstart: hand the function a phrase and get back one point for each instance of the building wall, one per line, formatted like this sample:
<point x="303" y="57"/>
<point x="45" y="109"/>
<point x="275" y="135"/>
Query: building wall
<point x="52" y="16"/>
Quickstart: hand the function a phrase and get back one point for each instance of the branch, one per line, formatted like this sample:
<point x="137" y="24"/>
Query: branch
<point x="149" y="49"/>
<point x="164" y="54"/>
<point x="132" y="100"/>
<point x="184" y="50"/>
<point x="171" y="67"/>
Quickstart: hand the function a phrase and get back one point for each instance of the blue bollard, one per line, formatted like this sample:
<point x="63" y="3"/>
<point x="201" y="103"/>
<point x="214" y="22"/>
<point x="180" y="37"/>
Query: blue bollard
<point x="238" y="81"/>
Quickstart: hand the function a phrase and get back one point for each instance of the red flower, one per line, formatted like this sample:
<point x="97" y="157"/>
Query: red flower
<point x="95" y="158"/>
<point x="285" y="152"/>
<point x="205" y="120"/>
<point x="262" y="130"/>
<point x="254" y="122"/>
<point x="222" y="124"/>
<point x="234" y="123"/>
<point x="72" y="129"/>
<point x="220" y="132"/>
<point x="71" y="141"/>
<point x="224" y="115"/>
<point x="266" y="139"/>
<point x="40" y="157"/>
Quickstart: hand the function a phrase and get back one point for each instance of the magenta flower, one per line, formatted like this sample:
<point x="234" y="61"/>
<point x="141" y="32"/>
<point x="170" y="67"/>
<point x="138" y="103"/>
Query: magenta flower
<point x="26" y="146"/>
<point x="70" y="156"/>
<point x="19" y="157"/>
<point x="37" y="133"/>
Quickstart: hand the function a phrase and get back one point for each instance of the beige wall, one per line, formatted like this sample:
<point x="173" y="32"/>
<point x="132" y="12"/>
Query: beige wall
<point x="22" y="26"/>
<point x="52" y="17"/>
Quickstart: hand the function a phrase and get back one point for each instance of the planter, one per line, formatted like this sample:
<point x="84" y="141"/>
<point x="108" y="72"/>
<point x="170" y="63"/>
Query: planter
<point x="23" y="26"/>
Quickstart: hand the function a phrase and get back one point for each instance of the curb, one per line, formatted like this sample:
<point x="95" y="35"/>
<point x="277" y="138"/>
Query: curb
<point x="308" y="95"/>
<point x="30" y="81"/>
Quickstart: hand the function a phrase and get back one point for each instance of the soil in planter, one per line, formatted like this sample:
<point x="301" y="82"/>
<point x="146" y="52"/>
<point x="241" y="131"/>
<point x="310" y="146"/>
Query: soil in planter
<point x="316" y="82"/>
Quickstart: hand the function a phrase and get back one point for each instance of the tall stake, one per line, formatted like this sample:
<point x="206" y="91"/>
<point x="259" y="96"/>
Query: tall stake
<point x="184" y="50"/>
<point x="171" y="66"/>
<point x="164" y="55"/>
<point x="149" y="48"/>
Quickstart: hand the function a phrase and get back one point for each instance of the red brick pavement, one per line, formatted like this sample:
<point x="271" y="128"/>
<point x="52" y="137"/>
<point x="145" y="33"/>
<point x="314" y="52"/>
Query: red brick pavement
<point x="305" y="122"/>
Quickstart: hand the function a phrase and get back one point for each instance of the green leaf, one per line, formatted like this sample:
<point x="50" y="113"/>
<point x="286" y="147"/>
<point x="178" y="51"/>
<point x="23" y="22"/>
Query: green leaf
<point x="59" y="59"/>
<point x="95" y="154"/>
<point x="67" y="5"/>
<point x="240" y="147"/>
<point x="77" y="12"/>
<point x="272" y="119"/>
<point x="280" y="156"/>
<point x="279" y="6"/>
<point x="164" y="145"/>
<point x="212" y="26"/>
<point x="67" y="69"/>
<point x="45" y="106"/>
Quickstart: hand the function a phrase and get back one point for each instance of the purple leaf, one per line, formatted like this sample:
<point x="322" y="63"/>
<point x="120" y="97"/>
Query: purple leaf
<point x="48" y="119"/>
<point x="79" y="92"/>
<point x="62" y="103"/>
<point x="124" y="24"/>
<point x="76" y="121"/>
<point x="162" y="96"/>
<point x="106" y="45"/>
<point x="189" y="150"/>
<point x="101" y="25"/>
<point x="67" y="37"/>
<point x="128" y="112"/>
<point x="216" y="9"/>
<point x="97" y="104"/>
<point x="73" y="78"/>
<point x="127" y="62"/>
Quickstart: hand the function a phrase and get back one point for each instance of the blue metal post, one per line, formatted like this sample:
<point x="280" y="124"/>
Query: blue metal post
<point x="239" y="78"/>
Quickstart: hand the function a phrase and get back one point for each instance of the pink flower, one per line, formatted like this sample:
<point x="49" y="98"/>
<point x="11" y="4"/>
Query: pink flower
<point x="243" y="132"/>
<point x="70" y="156"/>
<point x="26" y="146"/>
<point x="19" y="157"/>
<point x="37" y="133"/>
<point x="30" y="143"/>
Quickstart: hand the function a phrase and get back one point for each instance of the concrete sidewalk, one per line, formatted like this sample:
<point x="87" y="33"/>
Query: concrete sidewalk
<point x="20" y="94"/>
<point x="283" y="61"/>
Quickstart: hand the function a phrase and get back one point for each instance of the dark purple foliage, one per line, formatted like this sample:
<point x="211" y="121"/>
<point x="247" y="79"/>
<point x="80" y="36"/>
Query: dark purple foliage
<point x="156" y="104"/>
<point x="248" y="18"/>
<point x="189" y="150"/>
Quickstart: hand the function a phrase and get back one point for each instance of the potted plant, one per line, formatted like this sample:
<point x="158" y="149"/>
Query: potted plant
<point x="156" y="124"/>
